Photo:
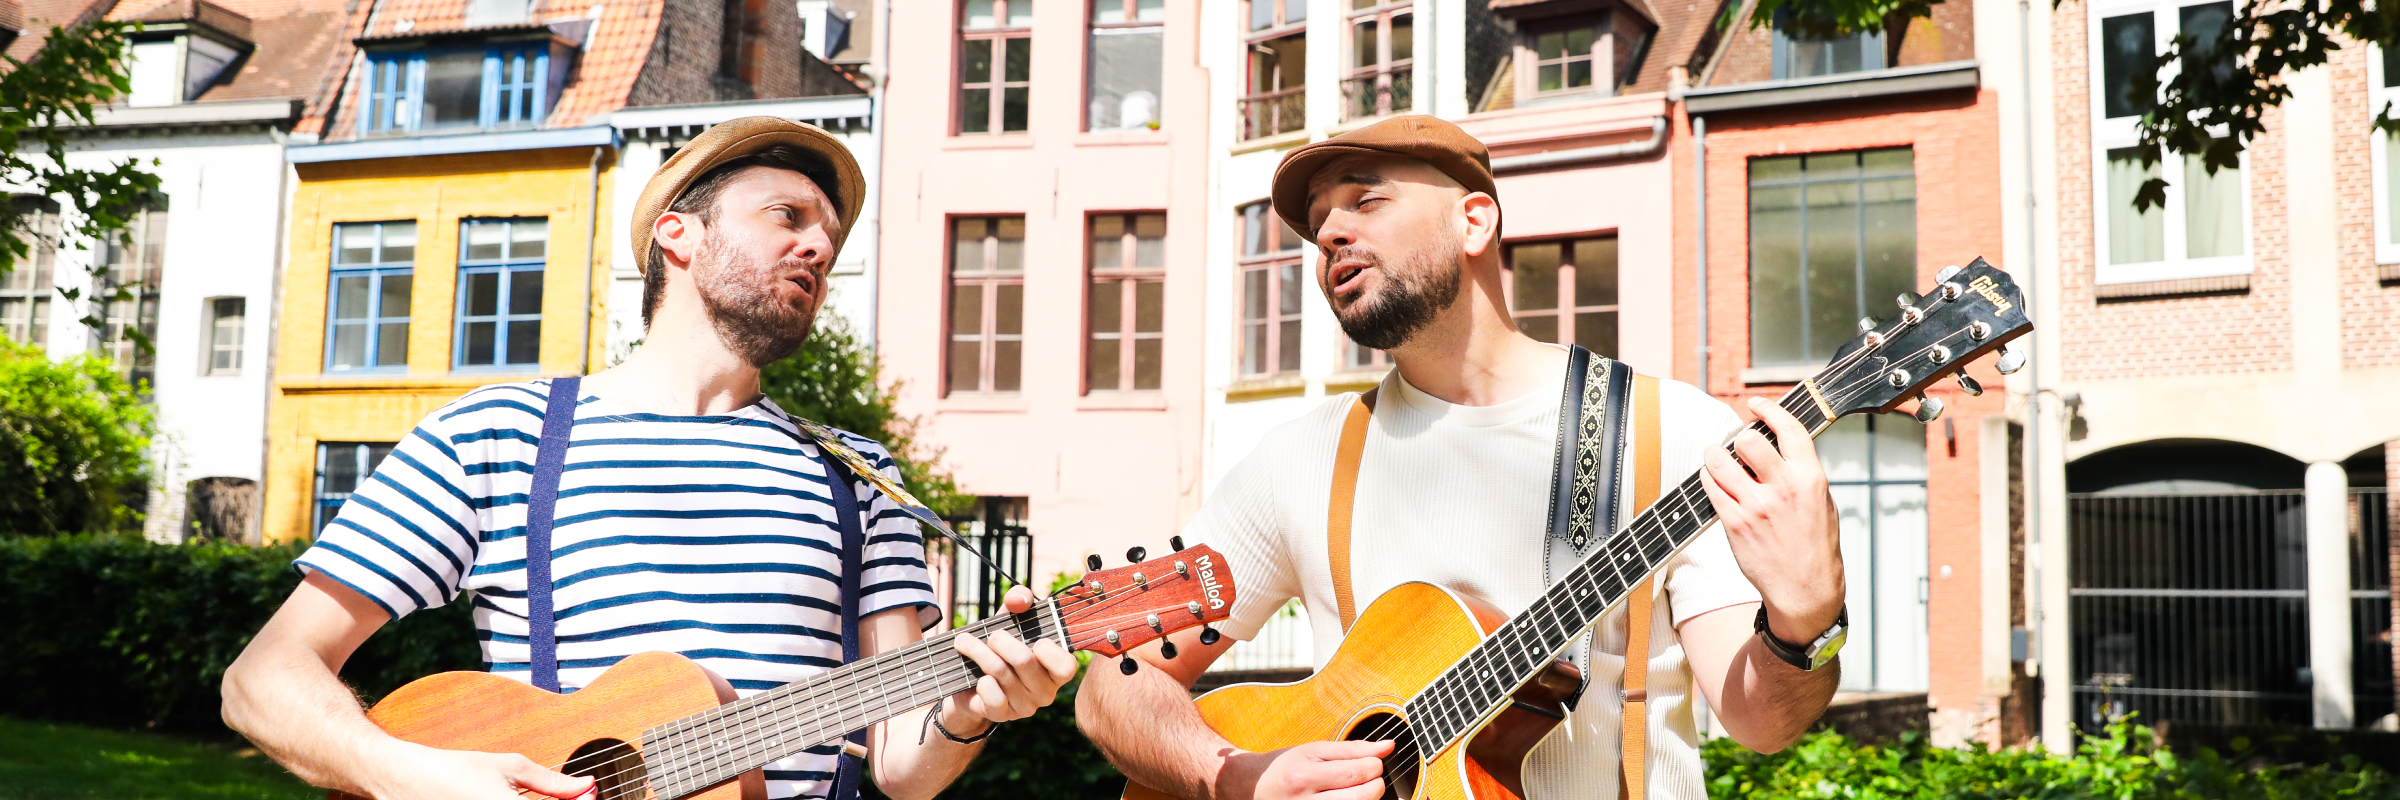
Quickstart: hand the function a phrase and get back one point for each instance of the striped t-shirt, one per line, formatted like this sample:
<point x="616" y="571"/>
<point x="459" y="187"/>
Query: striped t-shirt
<point x="709" y="536"/>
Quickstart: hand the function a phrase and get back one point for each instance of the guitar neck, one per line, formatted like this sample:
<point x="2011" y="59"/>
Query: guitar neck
<point x="1456" y="704"/>
<point x="691" y="754"/>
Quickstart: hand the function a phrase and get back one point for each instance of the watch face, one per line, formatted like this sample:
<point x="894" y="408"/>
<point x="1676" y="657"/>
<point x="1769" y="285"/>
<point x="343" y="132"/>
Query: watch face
<point x="1827" y="648"/>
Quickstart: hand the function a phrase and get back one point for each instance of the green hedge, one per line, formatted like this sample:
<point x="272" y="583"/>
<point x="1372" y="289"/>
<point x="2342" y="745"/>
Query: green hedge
<point x="2120" y="764"/>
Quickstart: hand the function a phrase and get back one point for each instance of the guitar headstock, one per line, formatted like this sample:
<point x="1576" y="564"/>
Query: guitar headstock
<point x="1971" y="311"/>
<point x="1111" y="611"/>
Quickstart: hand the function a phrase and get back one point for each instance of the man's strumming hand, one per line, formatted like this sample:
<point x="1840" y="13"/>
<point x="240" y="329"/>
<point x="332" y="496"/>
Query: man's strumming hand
<point x="1781" y="522"/>
<point x="1313" y="771"/>
<point x="406" y="771"/>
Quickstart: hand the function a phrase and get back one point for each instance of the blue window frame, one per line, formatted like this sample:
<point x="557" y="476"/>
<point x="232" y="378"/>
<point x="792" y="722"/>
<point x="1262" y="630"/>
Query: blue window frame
<point x="432" y="91"/>
<point x="500" y="293"/>
<point x="368" y="294"/>
<point x="341" y="467"/>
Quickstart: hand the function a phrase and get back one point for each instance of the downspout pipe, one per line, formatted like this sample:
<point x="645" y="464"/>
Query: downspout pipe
<point x="1560" y="158"/>
<point x="591" y="253"/>
<point x="1700" y="239"/>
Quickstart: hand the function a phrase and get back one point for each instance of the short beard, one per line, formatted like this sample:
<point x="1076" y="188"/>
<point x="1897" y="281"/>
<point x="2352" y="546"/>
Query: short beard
<point x="1410" y="298"/>
<point x="749" y="319"/>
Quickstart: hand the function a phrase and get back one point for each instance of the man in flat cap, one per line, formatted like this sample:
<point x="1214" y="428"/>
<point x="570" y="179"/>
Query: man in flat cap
<point x="1452" y="485"/>
<point x="689" y="515"/>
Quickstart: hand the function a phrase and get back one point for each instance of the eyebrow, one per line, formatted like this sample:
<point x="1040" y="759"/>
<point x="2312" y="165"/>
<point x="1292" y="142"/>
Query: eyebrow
<point x="1366" y="179"/>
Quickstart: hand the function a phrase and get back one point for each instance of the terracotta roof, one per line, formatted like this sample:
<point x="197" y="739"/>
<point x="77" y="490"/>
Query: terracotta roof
<point x="12" y="15"/>
<point x="1683" y="27"/>
<point x="42" y="15"/>
<point x="291" y="39"/>
<point x="602" y="79"/>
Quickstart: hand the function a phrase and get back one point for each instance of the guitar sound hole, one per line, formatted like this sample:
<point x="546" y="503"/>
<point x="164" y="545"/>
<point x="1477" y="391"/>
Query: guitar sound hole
<point x="1401" y="767"/>
<point x="618" y="767"/>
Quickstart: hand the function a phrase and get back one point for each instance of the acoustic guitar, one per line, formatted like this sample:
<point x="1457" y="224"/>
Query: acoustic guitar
<point x="658" y="726"/>
<point x="1465" y="692"/>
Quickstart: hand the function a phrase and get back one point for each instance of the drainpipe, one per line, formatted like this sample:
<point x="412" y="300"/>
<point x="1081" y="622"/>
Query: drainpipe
<point x="591" y="254"/>
<point x="1558" y="158"/>
<point x="883" y="165"/>
<point x="1700" y="240"/>
<point x="2039" y="615"/>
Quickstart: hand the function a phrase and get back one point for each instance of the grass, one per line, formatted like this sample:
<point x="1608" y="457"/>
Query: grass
<point x="39" y="761"/>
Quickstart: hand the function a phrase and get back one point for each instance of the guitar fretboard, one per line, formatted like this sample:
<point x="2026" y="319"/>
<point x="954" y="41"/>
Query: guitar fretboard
<point x="1456" y="703"/>
<point x="688" y="755"/>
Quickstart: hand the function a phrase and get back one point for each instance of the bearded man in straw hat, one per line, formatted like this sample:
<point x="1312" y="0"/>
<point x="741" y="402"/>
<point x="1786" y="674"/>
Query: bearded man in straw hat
<point x="1452" y="487"/>
<point x="692" y="516"/>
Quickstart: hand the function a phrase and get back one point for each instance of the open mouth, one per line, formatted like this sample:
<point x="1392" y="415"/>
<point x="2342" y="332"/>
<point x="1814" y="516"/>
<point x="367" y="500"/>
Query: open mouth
<point x="807" y="283"/>
<point x="1348" y="277"/>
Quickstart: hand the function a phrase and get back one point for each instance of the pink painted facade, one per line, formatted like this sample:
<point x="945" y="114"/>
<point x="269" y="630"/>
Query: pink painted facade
<point x="1099" y="469"/>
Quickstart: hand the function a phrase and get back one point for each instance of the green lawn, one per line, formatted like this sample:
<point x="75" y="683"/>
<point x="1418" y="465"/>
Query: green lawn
<point x="63" y="762"/>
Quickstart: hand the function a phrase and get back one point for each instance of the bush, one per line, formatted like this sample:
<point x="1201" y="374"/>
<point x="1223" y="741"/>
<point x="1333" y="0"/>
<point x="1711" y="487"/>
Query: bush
<point x="2122" y="763"/>
<point x="72" y="442"/>
<point x="115" y="631"/>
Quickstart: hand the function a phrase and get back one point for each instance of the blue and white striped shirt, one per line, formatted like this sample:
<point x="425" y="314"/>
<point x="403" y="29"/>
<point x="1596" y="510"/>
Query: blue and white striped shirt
<point x="708" y="536"/>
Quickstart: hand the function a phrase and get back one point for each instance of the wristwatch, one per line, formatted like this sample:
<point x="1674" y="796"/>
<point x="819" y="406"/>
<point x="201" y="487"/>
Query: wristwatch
<point x="1817" y="653"/>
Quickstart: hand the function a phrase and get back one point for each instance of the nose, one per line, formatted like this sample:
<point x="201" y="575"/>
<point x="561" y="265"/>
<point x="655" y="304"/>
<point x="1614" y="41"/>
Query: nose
<point x="1334" y="233"/>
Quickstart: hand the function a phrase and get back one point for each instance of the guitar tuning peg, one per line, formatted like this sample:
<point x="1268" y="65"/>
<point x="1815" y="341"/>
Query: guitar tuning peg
<point x="1175" y="543"/>
<point x="1866" y="324"/>
<point x="1092" y="561"/>
<point x="1136" y="555"/>
<point x="1969" y="385"/>
<point x="2011" y="360"/>
<point x="1166" y="649"/>
<point x="1947" y="273"/>
<point x="1908" y="299"/>
<point x="1126" y="665"/>
<point x="1209" y="635"/>
<point x="1928" y="409"/>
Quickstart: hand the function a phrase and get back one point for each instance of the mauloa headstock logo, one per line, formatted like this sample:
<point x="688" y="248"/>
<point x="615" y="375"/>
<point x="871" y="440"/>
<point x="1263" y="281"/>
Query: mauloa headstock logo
<point x="1208" y="583"/>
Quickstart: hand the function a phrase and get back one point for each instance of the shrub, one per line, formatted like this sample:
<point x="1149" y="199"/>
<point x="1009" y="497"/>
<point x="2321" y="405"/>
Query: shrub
<point x="72" y="442"/>
<point x="832" y="381"/>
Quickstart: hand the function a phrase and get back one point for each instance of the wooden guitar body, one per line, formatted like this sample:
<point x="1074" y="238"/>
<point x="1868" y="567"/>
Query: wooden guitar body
<point x="1400" y="643"/>
<point x="488" y="713"/>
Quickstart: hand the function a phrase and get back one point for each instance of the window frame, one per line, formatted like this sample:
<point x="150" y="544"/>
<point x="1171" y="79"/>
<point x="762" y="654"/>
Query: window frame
<point x="144" y="237"/>
<point x="1869" y="627"/>
<point x="377" y="272"/>
<point x="1272" y="262"/>
<point x="39" y="270"/>
<point x="2109" y="133"/>
<point x="2380" y="155"/>
<point x="1001" y="35"/>
<point x="395" y="83"/>
<point x="327" y="505"/>
<point x="1603" y="57"/>
<point x="1780" y="56"/>
<point x="1565" y="313"/>
<point x="989" y="278"/>
<point x="1133" y="24"/>
<point x="506" y="267"/>
<point x="1385" y="73"/>
<point x="211" y="348"/>
<point x="1282" y="26"/>
<point x="1867" y="303"/>
<point x="1126" y="276"/>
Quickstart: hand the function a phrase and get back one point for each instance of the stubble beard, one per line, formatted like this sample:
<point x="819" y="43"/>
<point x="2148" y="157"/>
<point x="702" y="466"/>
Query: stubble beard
<point x="749" y="319"/>
<point x="1409" y="299"/>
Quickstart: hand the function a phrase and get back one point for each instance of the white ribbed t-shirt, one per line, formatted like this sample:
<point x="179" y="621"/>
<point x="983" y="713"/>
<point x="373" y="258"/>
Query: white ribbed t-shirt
<point x="1458" y="496"/>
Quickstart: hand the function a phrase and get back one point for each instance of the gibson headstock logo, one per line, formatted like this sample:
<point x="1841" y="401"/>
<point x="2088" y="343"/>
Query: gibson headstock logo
<point x="1983" y="285"/>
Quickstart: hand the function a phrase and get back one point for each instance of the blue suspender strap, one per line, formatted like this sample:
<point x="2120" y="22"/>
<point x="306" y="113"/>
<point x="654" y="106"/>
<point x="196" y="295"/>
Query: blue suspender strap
<point x="541" y="510"/>
<point x="854" y="546"/>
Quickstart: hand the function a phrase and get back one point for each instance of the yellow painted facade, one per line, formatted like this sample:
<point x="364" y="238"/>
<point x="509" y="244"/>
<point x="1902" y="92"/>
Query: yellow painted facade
<point x="310" y="405"/>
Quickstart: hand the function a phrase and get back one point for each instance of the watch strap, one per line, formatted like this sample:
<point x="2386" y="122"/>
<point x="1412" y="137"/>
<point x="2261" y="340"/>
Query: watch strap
<point x="1797" y="655"/>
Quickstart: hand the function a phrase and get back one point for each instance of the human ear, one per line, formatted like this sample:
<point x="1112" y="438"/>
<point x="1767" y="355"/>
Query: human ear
<point x="1482" y="215"/>
<point x="678" y="235"/>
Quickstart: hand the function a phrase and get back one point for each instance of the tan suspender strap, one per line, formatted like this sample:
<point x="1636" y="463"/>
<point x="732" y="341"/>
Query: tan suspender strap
<point x="1337" y="510"/>
<point x="1636" y="736"/>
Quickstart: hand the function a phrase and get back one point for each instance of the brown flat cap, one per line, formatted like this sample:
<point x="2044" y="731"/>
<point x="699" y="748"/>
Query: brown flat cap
<point x="1429" y="139"/>
<point x="734" y="139"/>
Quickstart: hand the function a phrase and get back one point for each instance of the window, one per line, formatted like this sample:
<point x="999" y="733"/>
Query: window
<point x="1271" y="290"/>
<point x="128" y="295"/>
<point x="1128" y="302"/>
<point x="987" y="304"/>
<point x="1382" y="52"/>
<point x="1275" y="99"/>
<point x="25" y="289"/>
<point x="176" y="69"/>
<point x="1876" y="465"/>
<point x="1565" y="57"/>
<point x="493" y="88"/>
<point x="372" y="265"/>
<point x="2202" y="230"/>
<point x="1797" y="55"/>
<point x="1566" y="291"/>
<point x="995" y="65"/>
<point x="1123" y="77"/>
<point x="341" y="467"/>
<point x="224" y="355"/>
<point x="1833" y="237"/>
<point x="1361" y="358"/>
<point x="500" y="293"/>
<point x="2384" y="85"/>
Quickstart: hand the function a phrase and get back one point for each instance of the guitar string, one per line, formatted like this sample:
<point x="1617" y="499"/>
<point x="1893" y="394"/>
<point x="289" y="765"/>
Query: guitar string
<point x="1842" y="393"/>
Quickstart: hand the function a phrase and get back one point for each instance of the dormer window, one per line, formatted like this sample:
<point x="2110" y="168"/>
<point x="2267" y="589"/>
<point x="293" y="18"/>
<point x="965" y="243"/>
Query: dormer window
<point x="181" y="50"/>
<point x="457" y="89"/>
<point x="1800" y="55"/>
<point x="1568" y="50"/>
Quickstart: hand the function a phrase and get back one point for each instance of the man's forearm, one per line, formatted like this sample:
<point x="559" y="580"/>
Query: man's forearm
<point x="906" y="769"/>
<point x="309" y="722"/>
<point x="1769" y="703"/>
<point x="1146" y="725"/>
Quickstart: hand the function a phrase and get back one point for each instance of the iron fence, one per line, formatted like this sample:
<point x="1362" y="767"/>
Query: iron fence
<point x="2371" y="603"/>
<point x="2189" y="608"/>
<point x="974" y="588"/>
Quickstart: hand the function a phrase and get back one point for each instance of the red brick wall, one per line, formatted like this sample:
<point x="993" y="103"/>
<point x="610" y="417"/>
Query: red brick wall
<point x="1955" y="138"/>
<point x="2370" y="309"/>
<point x="2247" y="332"/>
